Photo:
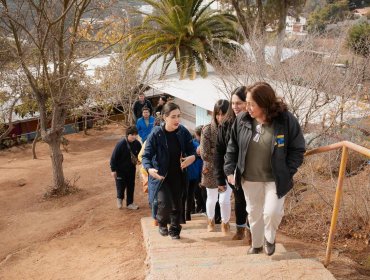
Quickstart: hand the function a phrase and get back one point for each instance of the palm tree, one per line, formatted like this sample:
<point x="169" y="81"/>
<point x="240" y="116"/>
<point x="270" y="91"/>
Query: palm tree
<point x="186" y="31"/>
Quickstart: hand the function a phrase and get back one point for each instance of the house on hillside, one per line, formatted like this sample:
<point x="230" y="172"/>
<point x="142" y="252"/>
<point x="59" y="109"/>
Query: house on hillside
<point x="296" y="26"/>
<point x="360" y="13"/>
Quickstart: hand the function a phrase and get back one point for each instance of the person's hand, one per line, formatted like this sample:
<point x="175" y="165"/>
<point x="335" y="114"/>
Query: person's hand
<point x="114" y="174"/>
<point x="154" y="173"/>
<point x="231" y="179"/>
<point x="221" y="189"/>
<point x="198" y="151"/>
<point x="185" y="162"/>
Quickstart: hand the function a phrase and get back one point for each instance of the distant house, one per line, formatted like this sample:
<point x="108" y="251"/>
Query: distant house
<point x="361" y="12"/>
<point x="296" y="25"/>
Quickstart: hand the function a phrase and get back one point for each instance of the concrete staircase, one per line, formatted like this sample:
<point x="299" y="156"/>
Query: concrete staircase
<point x="210" y="255"/>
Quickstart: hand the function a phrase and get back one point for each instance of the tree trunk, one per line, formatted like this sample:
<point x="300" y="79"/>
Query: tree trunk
<point x="253" y="32"/>
<point x="59" y="184"/>
<point x="85" y="125"/>
<point x="281" y="32"/>
<point x="34" y="156"/>
<point x="53" y="138"/>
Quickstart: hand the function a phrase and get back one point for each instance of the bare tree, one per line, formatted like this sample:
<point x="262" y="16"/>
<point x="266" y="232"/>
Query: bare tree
<point x="319" y="94"/>
<point x="256" y="16"/>
<point x="47" y="38"/>
<point x="121" y="82"/>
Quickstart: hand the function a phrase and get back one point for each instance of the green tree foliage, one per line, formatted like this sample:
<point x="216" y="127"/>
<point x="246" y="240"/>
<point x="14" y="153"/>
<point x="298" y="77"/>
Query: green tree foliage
<point x="186" y="31"/>
<point x="331" y="13"/>
<point x="358" y="39"/>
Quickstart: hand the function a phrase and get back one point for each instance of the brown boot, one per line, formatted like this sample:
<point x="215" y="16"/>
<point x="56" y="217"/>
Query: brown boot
<point x="225" y="228"/>
<point x="211" y="225"/>
<point x="240" y="233"/>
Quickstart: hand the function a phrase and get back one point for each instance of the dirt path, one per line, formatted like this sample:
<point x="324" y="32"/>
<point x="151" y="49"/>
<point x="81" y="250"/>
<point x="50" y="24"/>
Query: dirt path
<point x="81" y="236"/>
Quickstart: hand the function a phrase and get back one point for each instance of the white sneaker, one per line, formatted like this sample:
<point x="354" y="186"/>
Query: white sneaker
<point x="132" y="206"/>
<point x="119" y="203"/>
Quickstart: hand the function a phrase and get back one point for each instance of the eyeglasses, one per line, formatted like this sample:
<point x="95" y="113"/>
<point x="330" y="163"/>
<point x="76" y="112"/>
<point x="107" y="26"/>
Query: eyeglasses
<point x="256" y="137"/>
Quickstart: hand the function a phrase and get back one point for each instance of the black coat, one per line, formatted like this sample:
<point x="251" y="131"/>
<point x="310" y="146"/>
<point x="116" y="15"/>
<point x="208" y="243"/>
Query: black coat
<point x="120" y="161"/>
<point x="223" y="137"/>
<point x="287" y="149"/>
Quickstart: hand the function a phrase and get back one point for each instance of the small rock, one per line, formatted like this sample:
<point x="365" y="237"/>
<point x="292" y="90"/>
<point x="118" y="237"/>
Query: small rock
<point x="21" y="182"/>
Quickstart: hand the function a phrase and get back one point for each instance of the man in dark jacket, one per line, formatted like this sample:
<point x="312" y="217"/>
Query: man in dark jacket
<point x="123" y="167"/>
<point x="137" y="107"/>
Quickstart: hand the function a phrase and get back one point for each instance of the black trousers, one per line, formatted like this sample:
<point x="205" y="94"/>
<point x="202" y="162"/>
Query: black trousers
<point x="126" y="181"/>
<point x="170" y="201"/>
<point x="200" y="203"/>
<point x="240" y="206"/>
<point x="190" y="202"/>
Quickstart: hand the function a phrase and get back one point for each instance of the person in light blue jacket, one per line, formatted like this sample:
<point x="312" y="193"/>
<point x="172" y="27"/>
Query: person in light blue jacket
<point x="145" y="124"/>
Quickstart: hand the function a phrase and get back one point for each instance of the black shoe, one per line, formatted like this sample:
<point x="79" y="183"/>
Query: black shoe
<point x="253" y="251"/>
<point x="163" y="231"/>
<point x="269" y="248"/>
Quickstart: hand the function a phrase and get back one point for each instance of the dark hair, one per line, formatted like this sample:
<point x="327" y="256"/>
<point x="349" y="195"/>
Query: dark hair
<point x="145" y="108"/>
<point x="265" y="97"/>
<point x="241" y="93"/>
<point x="168" y="108"/>
<point x="220" y="107"/>
<point x="131" y="130"/>
<point x="164" y="98"/>
<point x="198" y="130"/>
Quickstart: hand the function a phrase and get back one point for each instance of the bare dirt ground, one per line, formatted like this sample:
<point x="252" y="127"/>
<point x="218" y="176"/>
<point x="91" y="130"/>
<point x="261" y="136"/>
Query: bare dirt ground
<point x="81" y="236"/>
<point x="84" y="235"/>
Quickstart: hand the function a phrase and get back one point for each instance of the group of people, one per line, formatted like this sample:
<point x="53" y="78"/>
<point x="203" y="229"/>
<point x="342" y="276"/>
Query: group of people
<point x="252" y="148"/>
<point x="125" y="155"/>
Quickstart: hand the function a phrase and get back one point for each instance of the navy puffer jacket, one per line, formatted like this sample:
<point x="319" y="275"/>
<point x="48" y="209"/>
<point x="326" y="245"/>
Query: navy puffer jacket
<point x="156" y="155"/>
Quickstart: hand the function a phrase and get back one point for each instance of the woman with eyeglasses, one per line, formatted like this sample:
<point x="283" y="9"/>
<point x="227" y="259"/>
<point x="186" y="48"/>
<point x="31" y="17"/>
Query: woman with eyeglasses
<point x="236" y="107"/>
<point x="266" y="148"/>
<point x="207" y="152"/>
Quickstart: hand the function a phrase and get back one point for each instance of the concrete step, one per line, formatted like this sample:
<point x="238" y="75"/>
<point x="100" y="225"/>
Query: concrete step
<point x="211" y="255"/>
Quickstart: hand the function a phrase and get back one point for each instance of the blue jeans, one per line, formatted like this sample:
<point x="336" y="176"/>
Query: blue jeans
<point x="154" y="206"/>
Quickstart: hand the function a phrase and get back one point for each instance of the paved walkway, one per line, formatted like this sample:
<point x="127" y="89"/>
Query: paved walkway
<point x="210" y="255"/>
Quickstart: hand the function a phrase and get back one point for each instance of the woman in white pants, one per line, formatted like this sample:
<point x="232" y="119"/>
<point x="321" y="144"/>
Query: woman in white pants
<point x="207" y="152"/>
<point x="266" y="148"/>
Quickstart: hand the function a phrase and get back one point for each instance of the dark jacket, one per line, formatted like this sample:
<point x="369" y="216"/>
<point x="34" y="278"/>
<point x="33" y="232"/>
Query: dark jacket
<point x="195" y="169"/>
<point x="138" y="106"/>
<point x="156" y="155"/>
<point x="287" y="149"/>
<point x="121" y="159"/>
<point x="223" y="137"/>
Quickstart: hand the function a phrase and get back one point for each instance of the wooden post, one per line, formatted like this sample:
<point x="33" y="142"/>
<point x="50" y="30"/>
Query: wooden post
<point x="338" y="196"/>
